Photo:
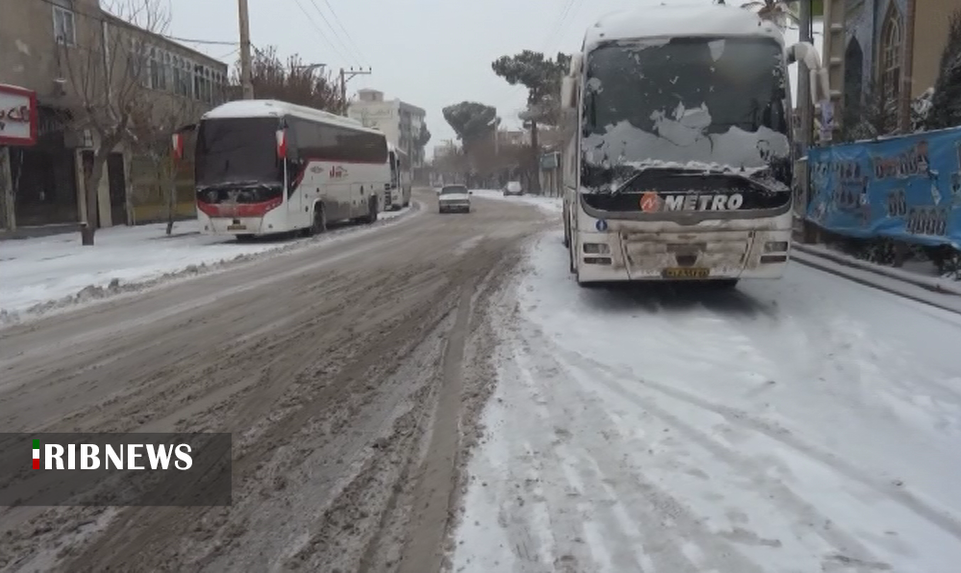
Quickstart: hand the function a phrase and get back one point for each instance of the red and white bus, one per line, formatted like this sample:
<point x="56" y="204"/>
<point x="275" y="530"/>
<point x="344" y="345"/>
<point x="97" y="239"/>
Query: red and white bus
<point x="264" y="167"/>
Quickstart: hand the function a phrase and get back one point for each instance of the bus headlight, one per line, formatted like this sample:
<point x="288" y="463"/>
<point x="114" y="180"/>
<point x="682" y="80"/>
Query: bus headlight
<point x="596" y="248"/>
<point x="775" y="247"/>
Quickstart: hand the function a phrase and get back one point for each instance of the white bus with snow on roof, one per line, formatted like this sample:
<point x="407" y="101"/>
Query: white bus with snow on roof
<point x="681" y="163"/>
<point x="264" y="167"/>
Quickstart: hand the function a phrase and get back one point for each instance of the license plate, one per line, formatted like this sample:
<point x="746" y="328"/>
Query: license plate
<point x="686" y="273"/>
<point x="236" y="227"/>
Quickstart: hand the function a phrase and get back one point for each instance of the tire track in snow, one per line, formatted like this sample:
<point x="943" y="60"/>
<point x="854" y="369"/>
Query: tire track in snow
<point x="615" y="379"/>
<point x="609" y="539"/>
<point x="641" y="521"/>
<point x="519" y="512"/>
<point x="840" y="542"/>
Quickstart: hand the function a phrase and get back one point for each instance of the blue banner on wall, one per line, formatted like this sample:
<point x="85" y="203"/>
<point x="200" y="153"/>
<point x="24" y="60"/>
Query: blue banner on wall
<point x="906" y="188"/>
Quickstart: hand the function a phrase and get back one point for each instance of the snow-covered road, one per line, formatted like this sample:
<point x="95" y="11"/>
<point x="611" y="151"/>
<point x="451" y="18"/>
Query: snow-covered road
<point x="808" y="424"/>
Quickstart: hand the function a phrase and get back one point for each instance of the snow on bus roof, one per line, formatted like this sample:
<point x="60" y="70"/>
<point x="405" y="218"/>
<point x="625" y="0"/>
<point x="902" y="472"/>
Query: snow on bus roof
<point x="679" y="20"/>
<point x="276" y="108"/>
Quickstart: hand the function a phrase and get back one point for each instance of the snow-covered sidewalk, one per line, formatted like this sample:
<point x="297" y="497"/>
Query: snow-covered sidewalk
<point x="807" y="424"/>
<point x="57" y="270"/>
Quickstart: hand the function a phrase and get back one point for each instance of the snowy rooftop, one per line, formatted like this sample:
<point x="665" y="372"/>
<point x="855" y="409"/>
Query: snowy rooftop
<point x="275" y="108"/>
<point x="678" y="21"/>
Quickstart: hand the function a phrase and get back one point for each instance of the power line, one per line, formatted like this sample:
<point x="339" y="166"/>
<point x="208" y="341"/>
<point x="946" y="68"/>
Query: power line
<point x="351" y="40"/>
<point x="326" y="21"/>
<point x="190" y="41"/>
<point x="319" y="31"/>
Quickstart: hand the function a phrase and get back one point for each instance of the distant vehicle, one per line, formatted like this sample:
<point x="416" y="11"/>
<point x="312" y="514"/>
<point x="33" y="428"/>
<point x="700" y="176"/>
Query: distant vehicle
<point x="454" y="198"/>
<point x="265" y="167"/>
<point x="513" y="188"/>
<point x="398" y="196"/>
<point x="681" y="163"/>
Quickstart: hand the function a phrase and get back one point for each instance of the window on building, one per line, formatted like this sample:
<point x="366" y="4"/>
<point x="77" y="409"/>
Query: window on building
<point x="198" y="82"/>
<point x="168" y="72"/>
<point x="178" y="75"/>
<point x="138" y="63"/>
<point x="64" y="23"/>
<point x="889" y="63"/>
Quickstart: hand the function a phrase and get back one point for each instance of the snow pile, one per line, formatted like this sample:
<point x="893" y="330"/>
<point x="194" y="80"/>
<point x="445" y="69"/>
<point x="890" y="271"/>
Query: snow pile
<point x="56" y="271"/>
<point x="551" y="205"/>
<point x="807" y="424"/>
<point x="681" y="143"/>
<point x="688" y="18"/>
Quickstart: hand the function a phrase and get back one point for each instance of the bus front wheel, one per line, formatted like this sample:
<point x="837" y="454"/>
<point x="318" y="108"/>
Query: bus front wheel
<point x="320" y="221"/>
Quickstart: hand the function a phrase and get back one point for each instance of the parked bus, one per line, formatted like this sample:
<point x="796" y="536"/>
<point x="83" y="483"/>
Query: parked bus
<point x="265" y="167"/>
<point x="682" y="160"/>
<point x="400" y="178"/>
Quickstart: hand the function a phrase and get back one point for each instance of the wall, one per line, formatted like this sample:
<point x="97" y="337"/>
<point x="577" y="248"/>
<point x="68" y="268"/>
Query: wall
<point x="28" y="57"/>
<point x="377" y="115"/>
<point x="932" y="19"/>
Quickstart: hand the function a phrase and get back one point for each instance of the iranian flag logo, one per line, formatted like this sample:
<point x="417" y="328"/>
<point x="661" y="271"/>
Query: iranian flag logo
<point x="36" y="454"/>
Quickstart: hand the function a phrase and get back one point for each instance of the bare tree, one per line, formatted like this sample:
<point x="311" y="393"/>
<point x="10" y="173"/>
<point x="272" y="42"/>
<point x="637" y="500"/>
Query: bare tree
<point x="294" y="81"/>
<point x="107" y="71"/>
<point x="152" y="134"/>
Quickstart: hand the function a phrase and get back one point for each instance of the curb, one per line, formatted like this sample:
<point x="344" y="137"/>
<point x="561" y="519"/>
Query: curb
<point x="934" y="285"/>
<point x="812" y="261"/>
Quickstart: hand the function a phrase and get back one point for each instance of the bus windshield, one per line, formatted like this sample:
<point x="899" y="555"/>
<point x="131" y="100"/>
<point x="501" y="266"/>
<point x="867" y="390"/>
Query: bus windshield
<point x="704" y="100"/>
<point x="238" y="151"/>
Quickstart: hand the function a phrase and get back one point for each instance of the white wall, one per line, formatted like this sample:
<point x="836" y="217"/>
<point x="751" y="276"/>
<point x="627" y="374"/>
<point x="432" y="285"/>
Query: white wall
<point x="382" y="115"/>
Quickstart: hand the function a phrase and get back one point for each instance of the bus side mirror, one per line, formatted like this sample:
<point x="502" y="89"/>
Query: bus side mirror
<point x="807" y="53"/>
<point x="567" y="92"/>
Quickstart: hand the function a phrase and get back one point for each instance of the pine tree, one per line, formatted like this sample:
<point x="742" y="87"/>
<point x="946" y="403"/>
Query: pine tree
<point x="946" y="102"/>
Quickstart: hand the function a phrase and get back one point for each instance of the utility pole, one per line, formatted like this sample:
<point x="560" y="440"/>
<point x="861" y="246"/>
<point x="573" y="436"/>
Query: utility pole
<point x="345" y="76"/>
<point x="248" y="87"/>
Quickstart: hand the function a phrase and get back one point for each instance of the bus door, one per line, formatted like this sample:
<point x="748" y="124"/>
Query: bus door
<point x="294" y="181"/>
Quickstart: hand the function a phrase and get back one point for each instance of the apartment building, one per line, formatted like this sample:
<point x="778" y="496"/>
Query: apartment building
<point x="72" y="53"/>
<point x="403" y="124"/>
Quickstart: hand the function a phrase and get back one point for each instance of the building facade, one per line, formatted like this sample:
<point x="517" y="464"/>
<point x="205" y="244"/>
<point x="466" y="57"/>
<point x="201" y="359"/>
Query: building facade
<point x="886" y="52"/>
<point x="401" y="122"/>
<point x="73" y="54"/>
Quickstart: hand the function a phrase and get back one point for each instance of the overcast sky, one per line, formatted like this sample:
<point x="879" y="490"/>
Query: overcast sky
<point x="430" y="53"/>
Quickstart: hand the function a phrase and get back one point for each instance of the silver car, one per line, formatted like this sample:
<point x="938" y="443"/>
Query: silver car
<point x="454" y="198"/>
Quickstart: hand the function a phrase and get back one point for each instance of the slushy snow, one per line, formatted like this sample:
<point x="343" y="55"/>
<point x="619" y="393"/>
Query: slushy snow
<point x="552" y="205"/>
<point x="806" y="424"/>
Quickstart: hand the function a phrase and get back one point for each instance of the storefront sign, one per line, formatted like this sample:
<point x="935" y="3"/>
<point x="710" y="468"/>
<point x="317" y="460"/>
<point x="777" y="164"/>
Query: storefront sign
<point x="18" y="116"/>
